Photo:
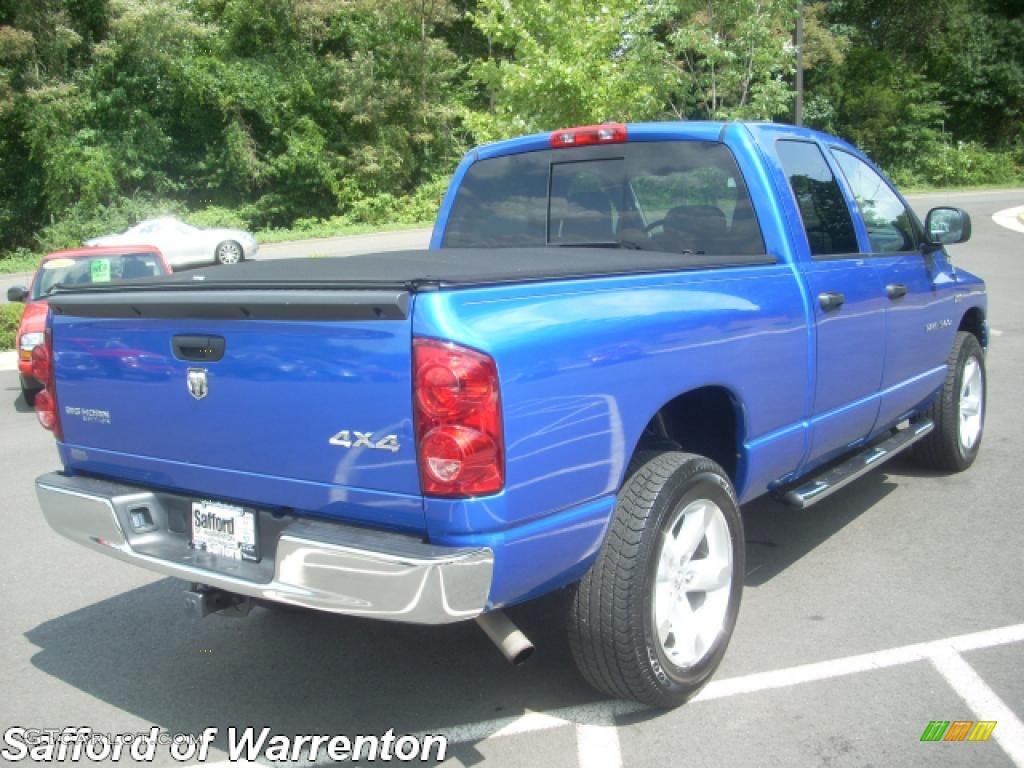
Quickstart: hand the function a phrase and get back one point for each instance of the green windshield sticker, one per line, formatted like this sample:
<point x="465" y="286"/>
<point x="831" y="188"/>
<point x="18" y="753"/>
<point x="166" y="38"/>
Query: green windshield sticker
<point x="99" y="270"/>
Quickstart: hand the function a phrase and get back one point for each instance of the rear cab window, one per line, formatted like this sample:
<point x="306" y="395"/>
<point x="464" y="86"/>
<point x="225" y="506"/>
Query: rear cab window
<point x="667" y="196"/>
<point x="823" y="210"/>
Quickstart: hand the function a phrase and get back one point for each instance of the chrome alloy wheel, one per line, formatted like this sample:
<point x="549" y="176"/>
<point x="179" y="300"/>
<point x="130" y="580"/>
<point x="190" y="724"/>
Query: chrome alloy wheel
<point x="229" y="253"/>
<point x="972" y="404"/>
<point x="692" y="582"/>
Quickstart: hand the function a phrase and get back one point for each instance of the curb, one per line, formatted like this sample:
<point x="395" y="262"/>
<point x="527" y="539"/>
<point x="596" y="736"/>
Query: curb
<point x="1010" y="218"/>
<point x="9" y="361"/>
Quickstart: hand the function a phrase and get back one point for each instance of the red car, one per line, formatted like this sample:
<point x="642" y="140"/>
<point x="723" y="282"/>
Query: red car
<point x="79" y="266"/>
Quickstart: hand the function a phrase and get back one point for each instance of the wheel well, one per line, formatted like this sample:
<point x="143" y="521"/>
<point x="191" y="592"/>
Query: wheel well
<point x="974" y="322"/>
<point x="705" y="421"/>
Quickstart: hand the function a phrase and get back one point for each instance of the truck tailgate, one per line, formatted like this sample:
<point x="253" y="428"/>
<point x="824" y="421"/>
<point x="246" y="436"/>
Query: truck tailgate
<point x="306" y="388"/>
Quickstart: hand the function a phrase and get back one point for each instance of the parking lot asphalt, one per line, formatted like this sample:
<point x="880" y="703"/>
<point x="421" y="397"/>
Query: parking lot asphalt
<point x="348" y="245"/>
<point x="894" y="603"/>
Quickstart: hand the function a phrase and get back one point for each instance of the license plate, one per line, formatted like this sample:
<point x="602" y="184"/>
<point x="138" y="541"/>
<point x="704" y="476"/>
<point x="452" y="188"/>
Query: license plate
<point x="224" y="530"/>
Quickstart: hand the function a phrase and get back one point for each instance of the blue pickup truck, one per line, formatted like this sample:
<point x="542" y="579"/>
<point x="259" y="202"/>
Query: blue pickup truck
<point x="619" y="334"/>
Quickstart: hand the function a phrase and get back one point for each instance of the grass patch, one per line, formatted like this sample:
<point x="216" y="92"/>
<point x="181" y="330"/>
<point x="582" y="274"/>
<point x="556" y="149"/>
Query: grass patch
<point x="925" y="190"/>
<point x="10" y="315"/>
<point x="22" y="260"/>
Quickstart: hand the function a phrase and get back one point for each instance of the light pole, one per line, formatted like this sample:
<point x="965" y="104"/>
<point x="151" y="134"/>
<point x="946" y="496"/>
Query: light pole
<point x="798" y="116"/>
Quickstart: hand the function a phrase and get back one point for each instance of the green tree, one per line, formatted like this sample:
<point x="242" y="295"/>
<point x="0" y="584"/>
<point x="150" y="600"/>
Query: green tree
<point x="43" y="43"/>
<point x="977" y="58"/>
<point x="268" y="112"/>
<point x="733" y="59"/>
<point x="400" y="90"/>
<point x="567" y="62"/>
<point x="892" y="112"/>
<point x="925" y="103"/>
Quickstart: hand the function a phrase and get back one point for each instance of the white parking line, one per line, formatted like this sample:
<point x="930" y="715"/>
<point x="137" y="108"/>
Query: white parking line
<point x="9" y="361"/>
<point x="597" y="740"/>
<point x="594" y="737"/>
<point x="983" y="702"/>
<point x="596" y="714"/>
<point x="597" y="746"/>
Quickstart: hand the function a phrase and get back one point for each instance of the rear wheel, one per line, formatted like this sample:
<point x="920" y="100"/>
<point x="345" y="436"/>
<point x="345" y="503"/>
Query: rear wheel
<point x="651" y="620"/>
<point x="29" y="389"/>
<point x="958" y="411"/>
<point x="229" y="252"/>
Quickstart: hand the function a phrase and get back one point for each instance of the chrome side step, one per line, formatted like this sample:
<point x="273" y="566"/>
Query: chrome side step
<point x="814" y="489"/>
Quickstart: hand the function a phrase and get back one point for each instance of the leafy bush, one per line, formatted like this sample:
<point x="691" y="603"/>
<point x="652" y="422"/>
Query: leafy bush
<point x="19" y="260"/>
<point x="961" y="164"/>
<point x="10" y="315"/>
<point x="216" y="216"/>
<point x="367" y="213"/>
<point x="970" y="163"/>
<point x="421" y="205"/>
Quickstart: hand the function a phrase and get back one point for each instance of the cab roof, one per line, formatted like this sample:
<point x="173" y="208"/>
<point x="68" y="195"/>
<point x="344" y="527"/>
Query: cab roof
<point x="101" y="250"/>
<point x="700" y="130"/>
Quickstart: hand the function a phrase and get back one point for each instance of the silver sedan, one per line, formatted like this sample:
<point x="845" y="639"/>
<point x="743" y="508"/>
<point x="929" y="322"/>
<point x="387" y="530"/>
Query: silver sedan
<point x="184" y="245"/>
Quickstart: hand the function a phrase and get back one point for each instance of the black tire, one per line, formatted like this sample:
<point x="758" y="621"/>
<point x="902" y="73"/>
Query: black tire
<point x="942" y="448"/>
<point x="612" y="629"/>
<point x="29" y="390"/>
<point x="229" y="252"/>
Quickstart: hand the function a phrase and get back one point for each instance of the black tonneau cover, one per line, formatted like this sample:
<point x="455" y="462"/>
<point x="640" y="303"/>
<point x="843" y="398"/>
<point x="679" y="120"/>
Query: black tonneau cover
<point x="427" y="269"/>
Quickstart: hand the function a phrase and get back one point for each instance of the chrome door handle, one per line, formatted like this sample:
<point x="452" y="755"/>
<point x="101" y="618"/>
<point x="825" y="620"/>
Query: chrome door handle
<point x="831" y="300"/>
<point x="895" y="290"/>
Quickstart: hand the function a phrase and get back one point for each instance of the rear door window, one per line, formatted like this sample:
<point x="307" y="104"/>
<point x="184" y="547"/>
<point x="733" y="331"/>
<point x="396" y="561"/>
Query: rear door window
<point x="826" y="218"/>
<point x="677" y="197"/>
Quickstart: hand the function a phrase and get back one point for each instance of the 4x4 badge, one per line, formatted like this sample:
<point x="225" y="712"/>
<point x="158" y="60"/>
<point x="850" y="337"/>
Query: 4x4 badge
<point x="352" y="439"/>
<point x="198" y="386"/>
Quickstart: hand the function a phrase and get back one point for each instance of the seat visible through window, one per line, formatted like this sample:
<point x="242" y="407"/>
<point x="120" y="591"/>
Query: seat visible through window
<point x="699" y="228"/>
<point x="137" y="267"/>
<point x="587" y="217"/>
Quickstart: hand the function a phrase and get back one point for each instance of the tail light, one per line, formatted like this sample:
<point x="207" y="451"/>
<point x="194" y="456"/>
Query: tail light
<point x="459" y="439"/>
<point x="609" y="133"/>
<point x="46" y="400"/>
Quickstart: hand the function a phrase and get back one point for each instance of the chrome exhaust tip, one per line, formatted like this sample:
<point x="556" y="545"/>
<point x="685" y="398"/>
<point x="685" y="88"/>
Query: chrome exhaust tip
<point x="513" y="644"/>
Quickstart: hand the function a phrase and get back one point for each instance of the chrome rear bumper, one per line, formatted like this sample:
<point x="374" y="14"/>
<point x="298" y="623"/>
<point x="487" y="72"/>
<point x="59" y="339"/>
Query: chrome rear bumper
<point x="310" y="563"/>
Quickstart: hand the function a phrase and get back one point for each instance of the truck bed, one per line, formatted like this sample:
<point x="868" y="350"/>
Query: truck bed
<point x="429" y="269"/>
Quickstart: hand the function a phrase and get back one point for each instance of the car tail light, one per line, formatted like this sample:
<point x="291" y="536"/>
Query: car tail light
<point x="41" y="367"/>
<point x="459" y="439"/>
<point x="609" y="133"/>
<point x="46" y="400"/>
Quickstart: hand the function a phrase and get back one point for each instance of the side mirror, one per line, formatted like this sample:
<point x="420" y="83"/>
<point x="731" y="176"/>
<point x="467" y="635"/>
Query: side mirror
<point x="947" y="226"/>
<point x="17" y="293"/>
